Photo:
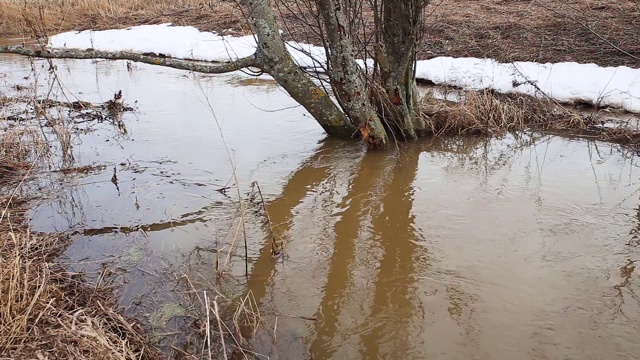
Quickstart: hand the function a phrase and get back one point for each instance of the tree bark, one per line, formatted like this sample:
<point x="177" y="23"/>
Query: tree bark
<point x="346" y="76"/>
<point x="276" y="60"/>
<point x="399" y="24"/>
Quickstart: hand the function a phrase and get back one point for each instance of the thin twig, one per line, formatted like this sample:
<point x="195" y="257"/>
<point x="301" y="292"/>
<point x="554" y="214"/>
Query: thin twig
<point x="224" y="347"/>
<point x="208" y="329"/>
<point x="274" y="245"/>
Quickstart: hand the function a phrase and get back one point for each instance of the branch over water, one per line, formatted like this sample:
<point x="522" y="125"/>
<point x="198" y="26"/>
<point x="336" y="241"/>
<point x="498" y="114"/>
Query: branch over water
<point x="146" y="58"/>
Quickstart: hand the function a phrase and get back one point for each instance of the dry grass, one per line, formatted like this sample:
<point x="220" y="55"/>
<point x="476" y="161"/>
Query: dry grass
<point x="490" y="113"/>
<point x="49" y="313"/>
<point x="45" y="311"/>
<point x="535" y="30"/>
<point x="598" y="31"/>
<point x="17" y="144"/>
<point x="222" y="327"/>
<point x="62" y="15"/>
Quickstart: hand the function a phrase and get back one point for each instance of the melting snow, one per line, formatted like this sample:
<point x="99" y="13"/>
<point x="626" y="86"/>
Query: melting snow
<point x="566" y="82"/>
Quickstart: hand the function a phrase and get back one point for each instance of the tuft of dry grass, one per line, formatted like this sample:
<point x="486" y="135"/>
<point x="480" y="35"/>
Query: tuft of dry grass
<point x="14" y="151"/>
<point x="490" y="113"/>
<point x="49" y="313"/>
<point x="487" y="112"/>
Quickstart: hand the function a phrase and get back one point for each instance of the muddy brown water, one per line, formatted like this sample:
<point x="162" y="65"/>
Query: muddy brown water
<point x="520" y="247"/>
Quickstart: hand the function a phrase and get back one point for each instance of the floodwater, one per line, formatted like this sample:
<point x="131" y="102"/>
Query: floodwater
<point x="520" y="247"/>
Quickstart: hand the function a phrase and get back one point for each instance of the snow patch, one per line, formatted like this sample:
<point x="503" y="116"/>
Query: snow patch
<point x="183" y="42"/>
<point x="566" y="82"/>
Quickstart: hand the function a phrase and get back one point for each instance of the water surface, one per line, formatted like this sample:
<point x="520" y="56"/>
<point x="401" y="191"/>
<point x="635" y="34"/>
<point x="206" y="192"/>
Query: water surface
<point x="521" y="247"/>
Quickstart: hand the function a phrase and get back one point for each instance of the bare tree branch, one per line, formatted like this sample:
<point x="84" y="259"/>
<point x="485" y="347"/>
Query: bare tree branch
<point x="146" y="58"/>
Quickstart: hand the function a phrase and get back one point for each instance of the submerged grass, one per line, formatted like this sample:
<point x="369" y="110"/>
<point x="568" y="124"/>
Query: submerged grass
<point x="47" y="312"/>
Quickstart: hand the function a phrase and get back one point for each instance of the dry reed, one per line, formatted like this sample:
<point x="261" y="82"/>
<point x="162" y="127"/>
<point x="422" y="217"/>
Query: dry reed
<point x="222" y="327"/>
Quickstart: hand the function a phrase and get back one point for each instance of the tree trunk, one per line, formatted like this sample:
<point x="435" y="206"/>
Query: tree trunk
<point x="346" y="76"/>
<point x="275" y="59"/>
<point x="388" y="103"/>
<point x="399" y="23"/>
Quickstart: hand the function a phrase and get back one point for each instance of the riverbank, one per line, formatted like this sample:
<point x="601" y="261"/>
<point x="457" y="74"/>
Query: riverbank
<point x="47" y="312"/>
<point x="492" y="98"/>
<point x="583" y="31"/>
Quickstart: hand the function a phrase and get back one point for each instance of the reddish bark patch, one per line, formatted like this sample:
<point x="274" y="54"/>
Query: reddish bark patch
<point x="395" y="98"/>
<point x="373" y="142"/>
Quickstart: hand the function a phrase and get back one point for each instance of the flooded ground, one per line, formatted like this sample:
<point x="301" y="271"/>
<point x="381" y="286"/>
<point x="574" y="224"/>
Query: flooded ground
<point x="458" y="248"/>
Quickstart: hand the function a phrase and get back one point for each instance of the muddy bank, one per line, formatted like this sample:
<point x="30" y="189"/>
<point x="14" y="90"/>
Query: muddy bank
<point x="584" y="31"/>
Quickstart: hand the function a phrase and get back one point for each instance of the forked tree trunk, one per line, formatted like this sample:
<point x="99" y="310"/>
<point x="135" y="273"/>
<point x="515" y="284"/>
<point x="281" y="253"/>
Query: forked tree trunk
<point x="274" y="59"/>
<point x="398" y="23"/>
<point x="346" y="76"/>
<point x="362" y="108"/>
